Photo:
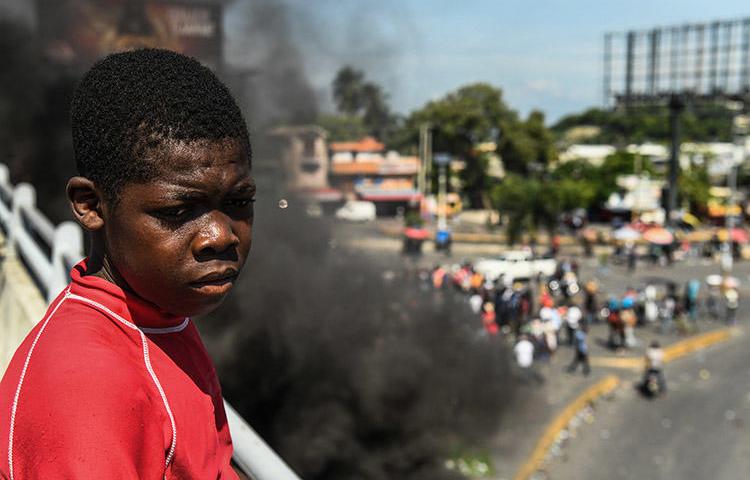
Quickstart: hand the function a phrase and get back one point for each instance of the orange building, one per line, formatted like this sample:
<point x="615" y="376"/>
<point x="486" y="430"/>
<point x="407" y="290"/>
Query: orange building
<point x="365" y="171"/>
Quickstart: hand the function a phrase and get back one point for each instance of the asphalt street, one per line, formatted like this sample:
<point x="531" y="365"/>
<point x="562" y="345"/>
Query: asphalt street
<point x="700" y="430"/>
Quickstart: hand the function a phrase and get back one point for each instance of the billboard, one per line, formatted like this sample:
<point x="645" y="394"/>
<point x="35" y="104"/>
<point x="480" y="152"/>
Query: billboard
<point x="77" y="32"/>
<point x="710" y="60"/>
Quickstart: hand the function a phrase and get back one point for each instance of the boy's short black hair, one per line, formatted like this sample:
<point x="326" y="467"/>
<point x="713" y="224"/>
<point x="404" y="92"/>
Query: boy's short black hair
<point x="131" y="104"/>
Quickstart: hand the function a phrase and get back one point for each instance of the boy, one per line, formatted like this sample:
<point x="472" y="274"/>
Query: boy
<point x="114" y="381"/>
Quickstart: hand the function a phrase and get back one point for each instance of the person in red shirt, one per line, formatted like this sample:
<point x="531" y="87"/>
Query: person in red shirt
<point x="114" y="382"/>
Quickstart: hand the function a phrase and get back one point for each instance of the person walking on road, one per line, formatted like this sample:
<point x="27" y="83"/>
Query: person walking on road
<point x="581" y="352"/>
<point x="732" y="303"/>
<point x="524" y="353"/>
<point x="655" y="366"/>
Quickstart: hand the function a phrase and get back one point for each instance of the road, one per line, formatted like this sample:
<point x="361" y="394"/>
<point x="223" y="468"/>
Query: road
<point x="698" y="431"/>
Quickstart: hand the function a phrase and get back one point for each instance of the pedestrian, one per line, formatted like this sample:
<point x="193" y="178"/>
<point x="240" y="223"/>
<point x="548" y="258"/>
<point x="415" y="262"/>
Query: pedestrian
<point x="732" y="303"/>
<point x="476" y="302"/>
<point x="650" y="308"/>
<point x="632" y="258"/>
<point x="573" y="317"/>
<point x="488" y="319"/>
<point x="628" y="320"/>
<point x="438" y="277"/>
<point x="654" y="361"/>
<point x="691" y="298"/>
<point x="524" y="353"/>
<point x="581" y="356"/>
<point x="114" y="381"/>
<point x="614" y="323"/>
<point x="550" y="337"/>
<point x="589" y="303"/>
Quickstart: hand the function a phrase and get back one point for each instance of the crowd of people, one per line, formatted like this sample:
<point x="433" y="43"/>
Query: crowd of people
<point x="543" y="314"/>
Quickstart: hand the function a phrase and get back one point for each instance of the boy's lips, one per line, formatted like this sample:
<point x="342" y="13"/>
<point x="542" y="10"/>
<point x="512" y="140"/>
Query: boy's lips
<point x="216" y="283"/>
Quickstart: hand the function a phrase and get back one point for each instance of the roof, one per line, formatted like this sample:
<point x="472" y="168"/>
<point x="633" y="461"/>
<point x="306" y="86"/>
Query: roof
<point x="367" y="144"/>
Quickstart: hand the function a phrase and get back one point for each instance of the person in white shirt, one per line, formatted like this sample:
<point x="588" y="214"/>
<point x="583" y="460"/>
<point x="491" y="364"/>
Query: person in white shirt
<point x="524" y="351"/>
<point x="655" y="365"/>
<point x="572" y="321"/>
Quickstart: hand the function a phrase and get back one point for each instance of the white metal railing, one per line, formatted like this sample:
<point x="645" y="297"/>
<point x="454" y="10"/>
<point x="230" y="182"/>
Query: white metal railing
<point x="49" y="252"/>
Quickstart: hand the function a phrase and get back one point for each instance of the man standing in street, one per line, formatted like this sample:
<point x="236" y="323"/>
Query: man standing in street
<point x="581" y="351"/>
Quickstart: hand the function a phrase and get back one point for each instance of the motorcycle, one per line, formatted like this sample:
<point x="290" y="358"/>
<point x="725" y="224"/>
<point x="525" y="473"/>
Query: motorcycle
<point x="652" y="385"/>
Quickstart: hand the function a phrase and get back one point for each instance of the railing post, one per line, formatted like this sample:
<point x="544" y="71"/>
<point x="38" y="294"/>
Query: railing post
<point x="68" y="242"/>
<point x="24" y="196"/>
<point x="5" y="177"/>
<point x="7" y="188"/>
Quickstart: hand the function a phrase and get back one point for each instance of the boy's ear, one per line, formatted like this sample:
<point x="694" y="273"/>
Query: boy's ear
<point x="86" y="203"/>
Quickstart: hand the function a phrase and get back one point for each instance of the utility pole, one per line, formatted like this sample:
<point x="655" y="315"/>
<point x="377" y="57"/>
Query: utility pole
<point x="422" y="160"/>
<point x="676" y="105"/>
<point x="428" y="159"/>
<point x="442" y="159"/>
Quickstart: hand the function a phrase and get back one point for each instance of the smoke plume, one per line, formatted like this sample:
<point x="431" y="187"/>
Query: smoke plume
<point x="348" y="368"/>
<point x="344" y="362"/>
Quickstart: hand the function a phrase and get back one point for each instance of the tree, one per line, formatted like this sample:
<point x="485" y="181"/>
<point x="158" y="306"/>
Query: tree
<point x="342" y="127"/>
<point x="693" y="185"/>
<point x="459" y="121"/>
<point x="705" y="123"/>
<point x="362" y="102"/>
<point x="347" y="91"/>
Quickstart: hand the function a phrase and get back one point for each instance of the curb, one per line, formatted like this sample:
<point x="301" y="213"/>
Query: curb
<point x="535" y="460"/>
<point x="671" y="352"/>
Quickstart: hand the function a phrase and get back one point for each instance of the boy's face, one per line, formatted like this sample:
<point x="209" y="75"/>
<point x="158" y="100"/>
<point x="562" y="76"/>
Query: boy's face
<point x="180" y="240"/>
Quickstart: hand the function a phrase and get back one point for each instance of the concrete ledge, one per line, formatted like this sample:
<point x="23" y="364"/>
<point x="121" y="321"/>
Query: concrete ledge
<point x="535" y="460"/>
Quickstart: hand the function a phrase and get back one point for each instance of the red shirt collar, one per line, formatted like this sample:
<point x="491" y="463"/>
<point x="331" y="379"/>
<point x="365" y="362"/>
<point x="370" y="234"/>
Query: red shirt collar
<point x="126" y="304"/>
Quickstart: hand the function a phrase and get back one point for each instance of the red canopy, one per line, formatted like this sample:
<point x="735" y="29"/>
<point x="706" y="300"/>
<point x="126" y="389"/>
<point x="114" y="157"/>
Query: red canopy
<point x="416" y="233"/>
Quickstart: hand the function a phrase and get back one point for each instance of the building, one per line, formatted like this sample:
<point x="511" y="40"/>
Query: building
<point x="303" y="154"/>
<point x="364" y="170"/>
<point x="594" y="154"/>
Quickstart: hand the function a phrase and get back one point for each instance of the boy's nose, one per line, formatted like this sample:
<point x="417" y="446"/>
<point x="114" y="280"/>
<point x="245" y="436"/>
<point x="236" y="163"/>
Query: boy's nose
<point x="215" y="237"/>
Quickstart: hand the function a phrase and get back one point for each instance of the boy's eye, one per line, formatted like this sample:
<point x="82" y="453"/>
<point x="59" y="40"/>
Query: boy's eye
<point x="173" y="213"/>
<point x="241" y="202"/>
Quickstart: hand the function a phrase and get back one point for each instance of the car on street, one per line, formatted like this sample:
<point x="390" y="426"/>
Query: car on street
<point x="516" y="265"/>
<point x="357" y="211"/>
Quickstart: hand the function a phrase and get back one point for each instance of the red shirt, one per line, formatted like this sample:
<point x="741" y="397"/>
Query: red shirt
<point x="107" y="386"/>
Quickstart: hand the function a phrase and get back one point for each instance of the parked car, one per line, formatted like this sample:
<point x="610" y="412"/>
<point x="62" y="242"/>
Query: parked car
<point x="357" y="211"/>
<point x="515" y="265"/>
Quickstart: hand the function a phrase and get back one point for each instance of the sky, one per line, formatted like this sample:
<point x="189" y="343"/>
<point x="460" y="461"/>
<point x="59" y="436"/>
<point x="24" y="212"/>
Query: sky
<point x="543" y="54"/>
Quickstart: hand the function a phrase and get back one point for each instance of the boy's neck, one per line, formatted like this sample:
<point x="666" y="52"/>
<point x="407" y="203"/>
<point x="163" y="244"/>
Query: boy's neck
<point x="100" y="266"/>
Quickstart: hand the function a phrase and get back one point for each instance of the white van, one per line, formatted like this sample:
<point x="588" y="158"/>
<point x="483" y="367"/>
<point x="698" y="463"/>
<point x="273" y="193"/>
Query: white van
<point x="357" y="211"/>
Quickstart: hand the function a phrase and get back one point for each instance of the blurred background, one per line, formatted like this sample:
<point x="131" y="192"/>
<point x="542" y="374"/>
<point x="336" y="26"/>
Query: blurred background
<point x="459" y="205"/>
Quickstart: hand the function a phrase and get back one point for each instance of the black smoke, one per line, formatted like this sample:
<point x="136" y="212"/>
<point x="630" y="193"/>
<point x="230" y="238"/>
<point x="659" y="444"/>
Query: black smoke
<point x="344" y="362"/>
<point x="348" y="364"/>
<point x="35" y="141"/>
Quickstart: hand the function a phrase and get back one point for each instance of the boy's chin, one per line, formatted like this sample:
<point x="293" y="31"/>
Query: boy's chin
<point x="197" y="306"/>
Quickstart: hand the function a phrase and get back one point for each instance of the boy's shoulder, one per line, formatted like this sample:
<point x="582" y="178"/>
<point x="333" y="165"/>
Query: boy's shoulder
<point x="77" y="350"/>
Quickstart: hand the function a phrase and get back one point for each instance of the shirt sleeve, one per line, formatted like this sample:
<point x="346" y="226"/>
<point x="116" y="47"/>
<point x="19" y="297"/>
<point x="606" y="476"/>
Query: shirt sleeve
<point x="90" y="419"/>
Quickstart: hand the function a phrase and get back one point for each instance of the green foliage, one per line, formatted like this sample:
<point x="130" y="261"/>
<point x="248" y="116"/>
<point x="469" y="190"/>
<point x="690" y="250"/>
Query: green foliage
<point x="474" y="114"/>
<point x="365" y="101"/>
<point x="637" y="125"/>
<point x="460" y="120"/>
<point x="528" y="203"/>
<point x="342" y="127"/>
<point x="694" y="184"/>
<point x="348" y="91"/>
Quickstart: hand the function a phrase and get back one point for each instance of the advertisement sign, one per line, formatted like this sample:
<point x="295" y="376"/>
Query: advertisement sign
<point x="78" y="32"/>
